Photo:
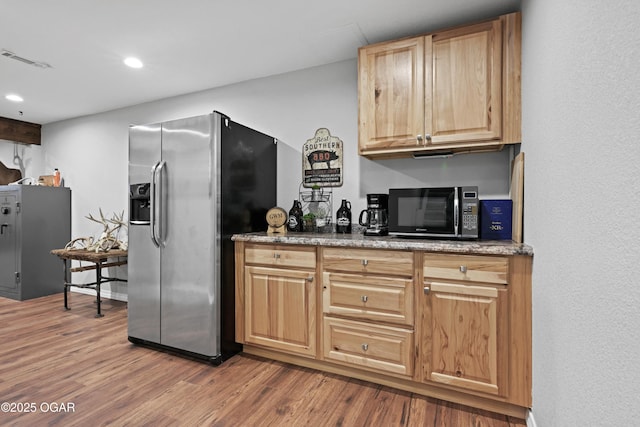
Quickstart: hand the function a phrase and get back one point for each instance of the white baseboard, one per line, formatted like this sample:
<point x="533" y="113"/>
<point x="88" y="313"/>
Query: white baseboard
<point x="530" y="421"/>
<point x="104" y="293"/>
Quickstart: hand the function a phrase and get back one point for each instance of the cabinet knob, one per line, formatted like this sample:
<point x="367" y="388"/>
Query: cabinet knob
<point x="364" y="298"/>
<point x="418" y="139"/>
<point x="276" y="256"/>
<point x="463" y="269"/>
<point x="427" y="137"/>
<point x="365" y="262"/>
<point x="365" y="347"/>
<point x="426" y="290"/>
<point x="310" y="279"/>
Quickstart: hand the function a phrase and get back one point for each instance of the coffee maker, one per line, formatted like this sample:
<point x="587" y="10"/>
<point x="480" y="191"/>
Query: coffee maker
<point x="375" y="218"/>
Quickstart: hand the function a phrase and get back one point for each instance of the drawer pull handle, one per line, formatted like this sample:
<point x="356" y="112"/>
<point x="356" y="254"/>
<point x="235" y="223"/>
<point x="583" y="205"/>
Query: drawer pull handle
<point x="365" y="262"/>
<point x="364" y="298"/>
<point x="463" y="269"/>
<point x="365" y="347"/>
<point x="276" y="256"/>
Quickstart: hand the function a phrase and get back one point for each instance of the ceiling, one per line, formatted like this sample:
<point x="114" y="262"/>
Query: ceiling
<point x="190" y="45"/>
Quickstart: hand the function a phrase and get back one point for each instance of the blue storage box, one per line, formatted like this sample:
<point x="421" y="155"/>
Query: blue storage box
<point x="495" y="219"/>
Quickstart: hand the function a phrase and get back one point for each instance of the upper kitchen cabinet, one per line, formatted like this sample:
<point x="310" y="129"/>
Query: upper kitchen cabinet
<point x="449" y="91"/>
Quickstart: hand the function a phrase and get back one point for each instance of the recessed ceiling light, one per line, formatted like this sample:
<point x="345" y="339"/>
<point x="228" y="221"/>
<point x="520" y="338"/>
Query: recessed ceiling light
<point x="13" y="97"/>
<point x="133" y="62"/>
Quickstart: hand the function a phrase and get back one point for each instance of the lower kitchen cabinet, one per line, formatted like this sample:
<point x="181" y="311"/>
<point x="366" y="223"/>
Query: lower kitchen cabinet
<point x="280" y="303"/>
<point x="451" y="326"/>
<point x="464" y="337"/>
<point x="368" y="309"/>
<point x="465" y="328"/>
<point x="476" y="324"/>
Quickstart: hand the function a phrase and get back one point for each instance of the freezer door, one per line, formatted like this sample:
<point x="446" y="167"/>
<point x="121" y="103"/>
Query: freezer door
<point x="8" y="244"/>
<point x="144" y="256"/>
<point x="189" y="304"/>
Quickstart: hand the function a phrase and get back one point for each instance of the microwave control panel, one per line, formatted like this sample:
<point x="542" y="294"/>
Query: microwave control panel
<point x="470" y="206"/>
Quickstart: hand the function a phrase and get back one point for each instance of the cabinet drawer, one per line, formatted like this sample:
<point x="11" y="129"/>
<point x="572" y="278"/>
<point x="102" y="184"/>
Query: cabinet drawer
<point x="283" y="256"/>
<point x="368" y="261"/>
<point x="467" y="268"/>
<point x="388" y="299"/>
<point x="378" y="348"/>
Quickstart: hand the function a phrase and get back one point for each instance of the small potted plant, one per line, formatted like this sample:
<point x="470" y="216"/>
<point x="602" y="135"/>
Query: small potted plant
<point x="321" y="220"/>
<point x="309" y="221"/>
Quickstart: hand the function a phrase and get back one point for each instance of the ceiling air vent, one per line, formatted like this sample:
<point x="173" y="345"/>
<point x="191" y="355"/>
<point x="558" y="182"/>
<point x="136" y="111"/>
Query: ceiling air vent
<point x="12" y="55"/>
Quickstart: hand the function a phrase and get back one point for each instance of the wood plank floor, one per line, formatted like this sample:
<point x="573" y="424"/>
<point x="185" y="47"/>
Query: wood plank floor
<point x="49" y="356"/>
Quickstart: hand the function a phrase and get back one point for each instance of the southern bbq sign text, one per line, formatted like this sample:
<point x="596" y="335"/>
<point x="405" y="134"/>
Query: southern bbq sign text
<point x="322" y="160"/>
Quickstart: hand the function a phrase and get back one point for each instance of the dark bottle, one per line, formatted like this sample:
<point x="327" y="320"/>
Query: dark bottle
<point x="343" y="218"/>
<point x="295" y="217"/>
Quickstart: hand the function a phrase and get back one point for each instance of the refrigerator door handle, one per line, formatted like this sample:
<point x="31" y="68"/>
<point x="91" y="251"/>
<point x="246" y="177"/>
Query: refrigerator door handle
<point x="160" y="203"/>
<point x="153" y="202"/>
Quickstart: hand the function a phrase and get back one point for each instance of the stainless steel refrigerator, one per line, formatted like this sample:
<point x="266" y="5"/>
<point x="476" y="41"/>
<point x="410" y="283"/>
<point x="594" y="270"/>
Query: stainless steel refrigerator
<point x="193" y="183"/>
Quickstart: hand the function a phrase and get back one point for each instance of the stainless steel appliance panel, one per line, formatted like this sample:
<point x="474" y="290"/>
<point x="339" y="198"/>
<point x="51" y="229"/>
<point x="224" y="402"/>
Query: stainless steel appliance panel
<point x="145" y="144"/>
<point x="189" y="299"/>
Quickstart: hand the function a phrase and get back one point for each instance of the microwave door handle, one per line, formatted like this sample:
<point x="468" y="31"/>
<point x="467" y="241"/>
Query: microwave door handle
<point x="456" y="210"/>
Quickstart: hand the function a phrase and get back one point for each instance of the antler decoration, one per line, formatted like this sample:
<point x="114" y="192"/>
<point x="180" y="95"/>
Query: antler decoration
<point x="109" y="238"/>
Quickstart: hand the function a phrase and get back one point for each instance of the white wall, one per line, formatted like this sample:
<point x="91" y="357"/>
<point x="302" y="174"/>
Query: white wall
<point x="581" y="121"/>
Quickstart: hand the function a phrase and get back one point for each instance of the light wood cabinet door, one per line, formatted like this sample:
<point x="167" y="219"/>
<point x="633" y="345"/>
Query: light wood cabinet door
<point x="280" y="309"/>
<point x="391" y="94"/>
<point x="463" y="93"/>
<point x="465" y="339"/>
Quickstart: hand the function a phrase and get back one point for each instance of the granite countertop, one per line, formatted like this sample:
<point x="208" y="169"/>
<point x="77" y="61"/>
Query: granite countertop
<point x="358" y="240"/>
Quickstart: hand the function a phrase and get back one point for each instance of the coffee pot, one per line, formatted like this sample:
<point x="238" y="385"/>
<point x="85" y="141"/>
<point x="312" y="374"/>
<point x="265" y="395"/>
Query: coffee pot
<point x="375" y="218"/>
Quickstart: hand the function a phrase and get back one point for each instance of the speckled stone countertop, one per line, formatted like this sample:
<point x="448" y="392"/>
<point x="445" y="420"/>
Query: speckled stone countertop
<point x="358" y="240"/>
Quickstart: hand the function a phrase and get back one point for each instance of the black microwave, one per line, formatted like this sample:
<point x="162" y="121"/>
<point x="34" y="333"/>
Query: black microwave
<point x="441" y="212"/>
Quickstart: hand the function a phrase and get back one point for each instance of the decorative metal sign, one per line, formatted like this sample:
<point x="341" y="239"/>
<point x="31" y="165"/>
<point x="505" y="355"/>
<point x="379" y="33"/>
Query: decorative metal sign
<point x="322" y="160"/>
